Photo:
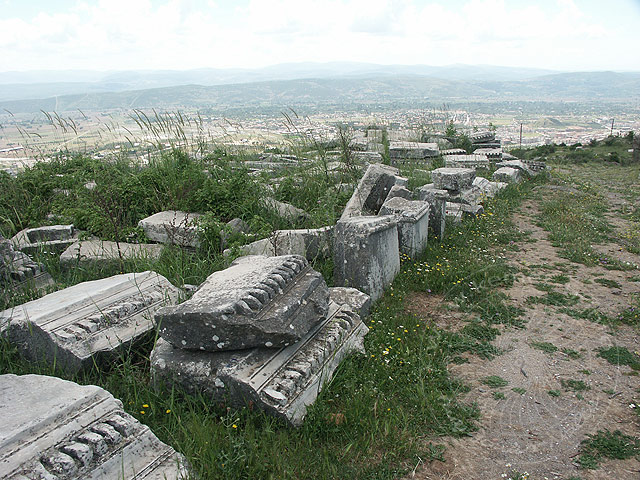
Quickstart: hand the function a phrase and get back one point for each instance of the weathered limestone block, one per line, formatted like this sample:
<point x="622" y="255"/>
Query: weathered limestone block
<point x="488" y="188"/>
<point x="471" y="210"/>
<point x="492" y="153"/>
<point x="482" y="137"/>
<point x="311" y="243"/>
<point x="413" y="150"/>
<point x="257" y="302"/>
<point x="453" y="178"/>
<point x="55" y="429"/>
<point x="366" y="253"/>
<point x="286" y="210"/>
<point x="103" y="253"/>
<point x="172" y="227"/>
<point x="353" y="298"/>
<point x="413" y="223"/>
<point x="453" y="151"/>
<point x="19" y="271"/>
<point x="436" y="200"/>
<point x="402" y="182"/>
<point x="234" y="227"/>
<point x="467" y="161"/>
<point x="507" y="175"/>
<point x="282" y="382"/>
<point x="91" y="321"/>
<point x="369" y="157"/>
<point x="371" y="192"/>
<point x="54" y="238"/>
<point x="398" y="191"/>
<point x="454" y="212"/>
<point x="518" y="165"/>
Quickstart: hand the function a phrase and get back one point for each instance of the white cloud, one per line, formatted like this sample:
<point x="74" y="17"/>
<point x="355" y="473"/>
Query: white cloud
<point x="179" y="34"/>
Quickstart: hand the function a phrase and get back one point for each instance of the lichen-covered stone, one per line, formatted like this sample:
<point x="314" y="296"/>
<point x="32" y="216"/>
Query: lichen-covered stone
<point x="508" y="175"/>
<point x="366" y="253"/>
<point x="18" y="271"/>
<point x="53" y="429"/>
<point x="172" y="227"/>
<point x="371" y="192"/>
<point x="358" y="301"/>
<point x="257" y="301"/>
<point x="89" y="322"/>
<point x="282" y="382"/>
<point x="413" y="223"/>
<point x="453" y="178"/>
<point x="54" y="239"/>
<point x="311" y="243"/>
<point x="436" y="199"/>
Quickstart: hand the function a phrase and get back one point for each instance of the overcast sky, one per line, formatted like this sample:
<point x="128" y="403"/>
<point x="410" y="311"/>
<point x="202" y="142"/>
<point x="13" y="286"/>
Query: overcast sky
<point x="184" y="34"/>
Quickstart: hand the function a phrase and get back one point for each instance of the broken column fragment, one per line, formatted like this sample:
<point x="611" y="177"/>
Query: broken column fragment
<point x="56" y="429"/>
<point x="257" y="301"/>
<point x="371" y="192"/>
<point x="89" y="322"/>
<point x="358" y="301"/>
<point x="172" y="227"/>
<point x="413" y="223"/>
<point x="281" y="381"/>
<point x="366" y="253"/>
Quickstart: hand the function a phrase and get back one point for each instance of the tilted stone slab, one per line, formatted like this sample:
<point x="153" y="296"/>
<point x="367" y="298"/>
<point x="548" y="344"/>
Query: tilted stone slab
<point x="53" y="429"/>
<point x="508" y="175"/>
<point x="454" y="212"/>
<point x="413" y="150"/>
<point x="518" y="165"/>
<point x="282" y="382"/>
<point x="103" y="253"/>
<point x="286" y="210"/>
<point x="366" y="253"/>
<point x="371" y="192"/>
<point x="91" y="321"/>
<point x="257" y="301"/>
<point x="413" y="223"/>
<point x="436" y="199"/>
<point x="358" y="301"/>
<point x="54" y="238"/>
<point x="311" y="243"/>
<point x="453" y="178"/>
<point x="399" y="191"/>
<point x="172" y="227"/>
<point x="492" y="153"/>
<point x="488" y="188"/>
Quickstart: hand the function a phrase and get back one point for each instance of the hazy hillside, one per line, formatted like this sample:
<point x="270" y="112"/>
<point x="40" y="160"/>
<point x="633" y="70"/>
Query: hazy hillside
<point x="42" y="84"/>
<point x="379" y="90"/>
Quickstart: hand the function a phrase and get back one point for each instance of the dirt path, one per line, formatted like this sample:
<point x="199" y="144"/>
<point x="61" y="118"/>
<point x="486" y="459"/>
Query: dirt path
<point x="531" y="430"/>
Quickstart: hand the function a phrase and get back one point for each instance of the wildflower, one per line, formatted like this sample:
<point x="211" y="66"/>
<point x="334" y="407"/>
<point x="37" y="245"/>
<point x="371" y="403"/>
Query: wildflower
<point x="145" y="406"/>
<point x="141" y="412"/>
<point x="234" y="426"/>
<point x="168" y="410"/>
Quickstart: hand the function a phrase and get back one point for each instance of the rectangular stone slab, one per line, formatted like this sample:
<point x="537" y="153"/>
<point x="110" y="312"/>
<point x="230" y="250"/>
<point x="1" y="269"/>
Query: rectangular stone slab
<point x="172" y="227"/>
<point x="88" y="322"/>
<point x="282" y="382"/>
<point x="366" y="254"/>
<point x="54" y="429"/>
<point x="436" y="200"/>
<point x="103" y="253"/>
<point x="54" y="238"/>
<point x="257" y="301"/>
<point x="311" y="243"/>
<point x="507" y="175"/>
<point x="413" y="223"/>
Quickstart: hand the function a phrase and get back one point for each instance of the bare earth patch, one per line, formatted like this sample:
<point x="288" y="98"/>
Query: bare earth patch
<point x="530" y="429"/>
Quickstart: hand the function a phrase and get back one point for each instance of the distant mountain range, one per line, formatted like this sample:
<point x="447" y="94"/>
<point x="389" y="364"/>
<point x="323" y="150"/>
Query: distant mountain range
<point x="304" y="84"/>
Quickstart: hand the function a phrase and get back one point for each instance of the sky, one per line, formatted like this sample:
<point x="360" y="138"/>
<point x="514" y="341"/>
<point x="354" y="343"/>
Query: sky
<point x="567" y="35"/>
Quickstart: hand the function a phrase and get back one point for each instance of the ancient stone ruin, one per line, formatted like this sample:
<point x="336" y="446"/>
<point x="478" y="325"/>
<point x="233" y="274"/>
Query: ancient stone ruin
<point x="19" y="271"/>
<point x="89" y="322"/>
<point x="52" y="239"/>
<point x="55" y="429"/>
<point x="172" y="227"/>
<point x="102" y="253"/>
<point x="262" y="332"/>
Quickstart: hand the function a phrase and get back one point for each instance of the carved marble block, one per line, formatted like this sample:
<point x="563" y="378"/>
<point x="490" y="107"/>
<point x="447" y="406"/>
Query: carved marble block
<point x="53" y="429"/>
<point x="257" y="301"/>
<point x="84" y="323"/>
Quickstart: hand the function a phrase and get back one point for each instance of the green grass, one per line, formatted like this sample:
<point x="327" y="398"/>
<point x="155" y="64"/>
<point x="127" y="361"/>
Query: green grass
<point x="498" y="395"/>
<point x="620" y="356"/>
<point x="495" y="381"/>
<point x="591" y="314"/>
<point x="380" y="412"/>
<point x="607" y="282"/>
<point x="573" y="354"/>
<point x="607" y="445"/>
<point x="561" y="279"/>
<point x="555" y="298"/>
<point x="554" y="393"/>
<point x="519" y="390"/>
<point x="546" y="347"/>
<point x="574" y="385"/>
